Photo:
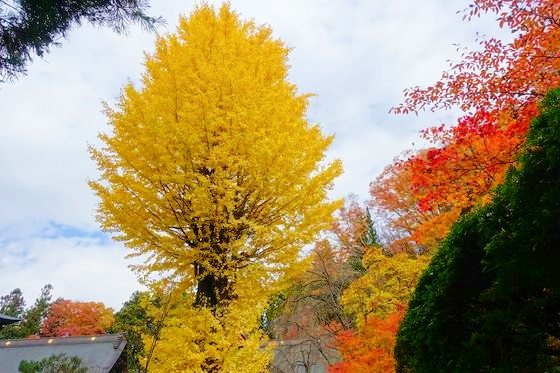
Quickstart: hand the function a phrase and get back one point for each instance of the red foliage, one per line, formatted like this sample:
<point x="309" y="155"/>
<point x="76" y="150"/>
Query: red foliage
<point x="476" y="154"/>
<point x="371" y="348"/>
<point x="499" y="87"/>
<point x="68" y="318"/>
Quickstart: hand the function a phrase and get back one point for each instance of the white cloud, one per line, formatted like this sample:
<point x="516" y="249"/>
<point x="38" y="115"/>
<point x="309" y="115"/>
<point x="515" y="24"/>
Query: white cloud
<point x="85" y="269"/>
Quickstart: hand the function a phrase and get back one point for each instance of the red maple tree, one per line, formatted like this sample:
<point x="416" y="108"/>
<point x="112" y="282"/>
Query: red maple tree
<point x="69" y="318"/>
<point x="498" y="87"/>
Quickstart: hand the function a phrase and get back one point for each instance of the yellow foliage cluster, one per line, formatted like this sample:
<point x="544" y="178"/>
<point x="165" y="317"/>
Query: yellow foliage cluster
<point x="388" y="283"/>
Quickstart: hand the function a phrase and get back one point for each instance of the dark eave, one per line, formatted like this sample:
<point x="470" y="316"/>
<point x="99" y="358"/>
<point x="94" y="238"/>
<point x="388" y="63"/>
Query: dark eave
<point x="6" y="320"/>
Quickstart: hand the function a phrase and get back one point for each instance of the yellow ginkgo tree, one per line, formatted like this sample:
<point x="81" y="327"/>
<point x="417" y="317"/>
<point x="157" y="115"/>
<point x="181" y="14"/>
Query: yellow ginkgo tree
<point x="213" y="174"/>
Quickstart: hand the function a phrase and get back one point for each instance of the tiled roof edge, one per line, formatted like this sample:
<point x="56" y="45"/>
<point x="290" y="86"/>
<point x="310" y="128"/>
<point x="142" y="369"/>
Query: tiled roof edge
<point x="115" y="339"/>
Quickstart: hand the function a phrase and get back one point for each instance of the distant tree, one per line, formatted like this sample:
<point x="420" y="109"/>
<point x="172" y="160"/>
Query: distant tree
<point x="69" y="318"/>
<point x="353" y="232"/>
<point x="311" y="307"/>
<point x="304" y="355"/>
<point x="13" y="304"/>
<point x="388" y="282"/>
<point x="59" y="363"/>
<point x="309" y="314"/>
<point x="34" y="316"/>
<point x="133" y="320"/>
<point x="29" y="27"/>
<point x="489" y="300"/>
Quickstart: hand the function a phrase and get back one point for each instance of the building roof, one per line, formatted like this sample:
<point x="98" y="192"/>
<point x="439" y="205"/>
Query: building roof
<point x="6" y="320"/>
<point x="98" y="353"/>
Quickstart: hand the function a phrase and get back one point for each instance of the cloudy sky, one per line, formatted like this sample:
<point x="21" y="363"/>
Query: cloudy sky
<point x="357" y="56"/>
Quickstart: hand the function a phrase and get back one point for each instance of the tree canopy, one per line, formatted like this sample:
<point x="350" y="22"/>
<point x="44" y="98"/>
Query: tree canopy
<point x="70" y="318"/>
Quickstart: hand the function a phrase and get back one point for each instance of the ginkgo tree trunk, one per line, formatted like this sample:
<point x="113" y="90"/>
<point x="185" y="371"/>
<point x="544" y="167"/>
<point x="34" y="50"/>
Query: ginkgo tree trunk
<point x="212" y="170"/>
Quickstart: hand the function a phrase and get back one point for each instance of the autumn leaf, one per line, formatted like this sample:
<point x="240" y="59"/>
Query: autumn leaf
<point x="69" y="318"/>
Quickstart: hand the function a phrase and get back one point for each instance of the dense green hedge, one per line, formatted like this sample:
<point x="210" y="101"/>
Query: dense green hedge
<point x="490" y="300"/>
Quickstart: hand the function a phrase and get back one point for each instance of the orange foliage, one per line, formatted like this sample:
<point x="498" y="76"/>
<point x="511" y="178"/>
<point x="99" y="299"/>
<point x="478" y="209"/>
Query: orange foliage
<point x="68" y="318"/>
<point x="502" y="76"/>
<point x="499" y="87"/>
<point x="351" y="229"/>
<point x="371" y="348"/>
<point x="409" y="228"/>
